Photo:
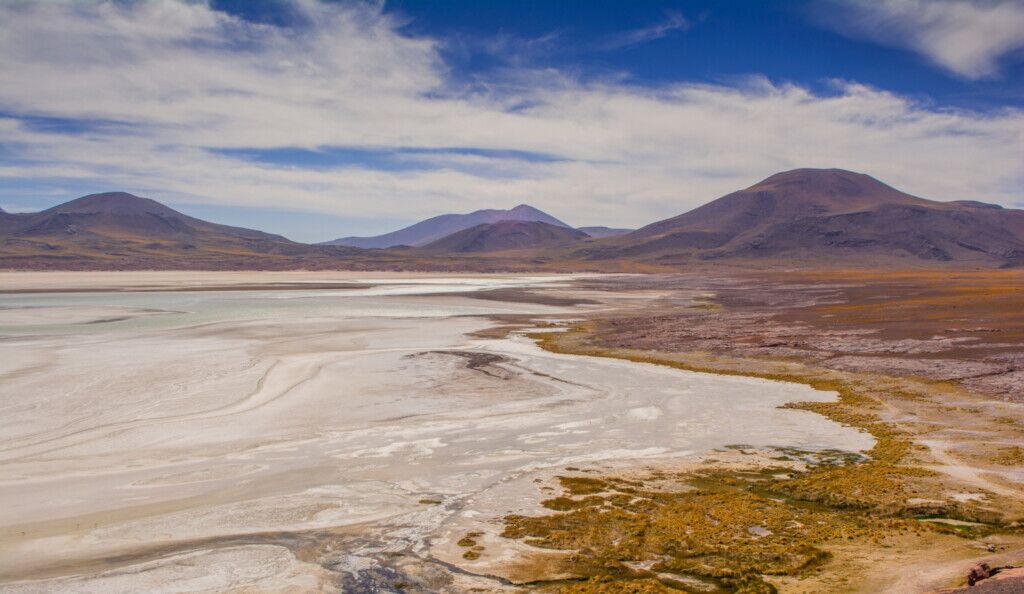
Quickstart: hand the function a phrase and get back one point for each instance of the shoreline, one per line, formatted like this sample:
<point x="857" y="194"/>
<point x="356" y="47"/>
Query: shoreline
<point x="896" y="458"/>
<point x="533" y="410"/>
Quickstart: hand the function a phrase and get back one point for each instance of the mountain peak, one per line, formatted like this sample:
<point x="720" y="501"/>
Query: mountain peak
<point x="137" y="232"/>
<point x="785" y="196"/>
<point x="832" y="213"/>
<point x="834" y="182"/>
<point x="113" y="203"/>
<point x="435" y="228"/>
<point x="506" y="234"/>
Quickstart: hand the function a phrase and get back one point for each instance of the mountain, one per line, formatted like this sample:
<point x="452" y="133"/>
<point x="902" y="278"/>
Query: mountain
<point x="827" y="215"/>
<point x="803" y="218"/>
<point x="506" y="235"/>
<point x="123" y="217"/>
<point x="7" y="220"/>
<point x="600" y="232"/>
<point x="437" y="227"/>
<point x="117" y="229"/>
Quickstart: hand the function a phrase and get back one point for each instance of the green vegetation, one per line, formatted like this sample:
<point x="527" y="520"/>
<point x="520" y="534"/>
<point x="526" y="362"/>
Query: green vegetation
<point x="469" y="541"/>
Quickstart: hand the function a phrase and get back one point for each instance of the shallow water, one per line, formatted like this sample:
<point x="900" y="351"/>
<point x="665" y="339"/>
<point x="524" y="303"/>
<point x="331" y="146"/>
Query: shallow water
<point x="148" y="426"/>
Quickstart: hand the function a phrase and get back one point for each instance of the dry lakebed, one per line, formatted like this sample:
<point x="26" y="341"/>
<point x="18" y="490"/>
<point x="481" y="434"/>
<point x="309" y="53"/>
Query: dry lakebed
<point x="296" y="432"/>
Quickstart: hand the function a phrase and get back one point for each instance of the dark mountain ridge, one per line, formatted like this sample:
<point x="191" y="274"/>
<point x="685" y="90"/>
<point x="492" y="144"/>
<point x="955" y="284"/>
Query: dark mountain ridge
<point x="504" y="236"/>
<point x="805" y="218"/>
<point x="130" y="215"/>
<point x="117" y="229"/>
<point x="827" y="214"/>
<point x="434" y="228"/>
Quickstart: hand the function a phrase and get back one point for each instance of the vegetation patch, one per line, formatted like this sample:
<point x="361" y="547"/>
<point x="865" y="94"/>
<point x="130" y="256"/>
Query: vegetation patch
<point x="1009" y="456"/>
<point x="738" y="529"/>
<point x="469" y="541"/>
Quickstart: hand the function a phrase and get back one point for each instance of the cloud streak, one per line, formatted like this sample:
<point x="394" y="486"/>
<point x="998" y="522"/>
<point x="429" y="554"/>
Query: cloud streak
<point x="673" y="21"/>
<point x="966" y="37"/>
<point x="185" y="95"/>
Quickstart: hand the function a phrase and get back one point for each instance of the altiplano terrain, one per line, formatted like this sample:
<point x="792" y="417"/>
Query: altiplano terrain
<point x="511" y="297"/>
<point x="319" y="438"/>
<point x="403" y="433"/>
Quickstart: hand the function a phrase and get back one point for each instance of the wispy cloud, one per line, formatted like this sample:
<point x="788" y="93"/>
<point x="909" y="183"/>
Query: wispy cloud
<point x="673" y="21"/>
<point x="966" y="37"/>
<point x="15" y="208"/>
<point x="197" y="95"/>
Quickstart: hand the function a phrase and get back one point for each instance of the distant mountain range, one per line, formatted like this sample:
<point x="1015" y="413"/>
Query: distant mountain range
<point x="437" y="227"/>
<point x="506" y="235"/>
<point x="804" y="217"/>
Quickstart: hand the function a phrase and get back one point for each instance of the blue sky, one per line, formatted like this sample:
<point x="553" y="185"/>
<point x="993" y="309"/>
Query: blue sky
<point x="322" y="119"/>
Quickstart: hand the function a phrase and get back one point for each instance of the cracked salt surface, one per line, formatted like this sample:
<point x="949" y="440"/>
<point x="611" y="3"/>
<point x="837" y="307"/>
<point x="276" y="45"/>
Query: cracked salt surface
<point x="248" y="426"/>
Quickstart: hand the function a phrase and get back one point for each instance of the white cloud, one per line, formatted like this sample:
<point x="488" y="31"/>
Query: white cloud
<point x="189" y="79"/>
<point x="967" y="37"/>
<point x="673" y="21"/>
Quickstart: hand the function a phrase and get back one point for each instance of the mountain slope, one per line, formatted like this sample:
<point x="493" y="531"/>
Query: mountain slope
<point x="600" y="232"/>
<point x="435" y="228"/>
<point x="117" y="229"/>
<point x="127" y="216"/>
<point x="828" y="214"/>
<point x="506" y="235"/>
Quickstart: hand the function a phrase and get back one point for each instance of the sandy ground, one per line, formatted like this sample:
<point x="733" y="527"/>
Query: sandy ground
<point x="305" y="440"/>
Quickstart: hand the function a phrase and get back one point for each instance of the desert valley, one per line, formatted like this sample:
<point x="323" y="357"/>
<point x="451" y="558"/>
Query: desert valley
<point x="406" y="432"/>
<point x="512" y="297"/>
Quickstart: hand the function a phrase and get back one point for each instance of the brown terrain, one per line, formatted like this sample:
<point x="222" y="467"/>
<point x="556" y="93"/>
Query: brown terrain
<point x="930" y="363"/>
<point x="962" y="327"/>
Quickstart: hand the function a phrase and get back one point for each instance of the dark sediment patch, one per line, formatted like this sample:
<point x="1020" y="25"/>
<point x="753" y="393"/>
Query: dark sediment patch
<point x="485" y="363"/>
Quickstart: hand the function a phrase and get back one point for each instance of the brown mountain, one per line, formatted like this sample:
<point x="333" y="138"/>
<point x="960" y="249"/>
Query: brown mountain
<point x="827" y="215"/>
<point x="506" y="235"/>
<point x="434" y="228"/>
<point x="119" y="230"/>
<point x="805" y="217"/>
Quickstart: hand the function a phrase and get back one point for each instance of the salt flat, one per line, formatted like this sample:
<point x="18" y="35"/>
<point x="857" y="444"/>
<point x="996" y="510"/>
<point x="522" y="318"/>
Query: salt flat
<point x="276" y="440"/>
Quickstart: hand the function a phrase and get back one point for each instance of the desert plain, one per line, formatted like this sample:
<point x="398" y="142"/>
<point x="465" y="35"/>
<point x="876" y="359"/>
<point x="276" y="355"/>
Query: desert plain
<point x="389" y="432"/>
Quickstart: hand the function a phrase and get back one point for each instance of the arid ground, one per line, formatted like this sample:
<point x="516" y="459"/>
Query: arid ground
<point x="709" y="432"/>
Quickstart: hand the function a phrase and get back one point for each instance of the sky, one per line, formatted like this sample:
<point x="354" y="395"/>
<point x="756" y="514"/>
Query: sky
<point x="319" y="119"/>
